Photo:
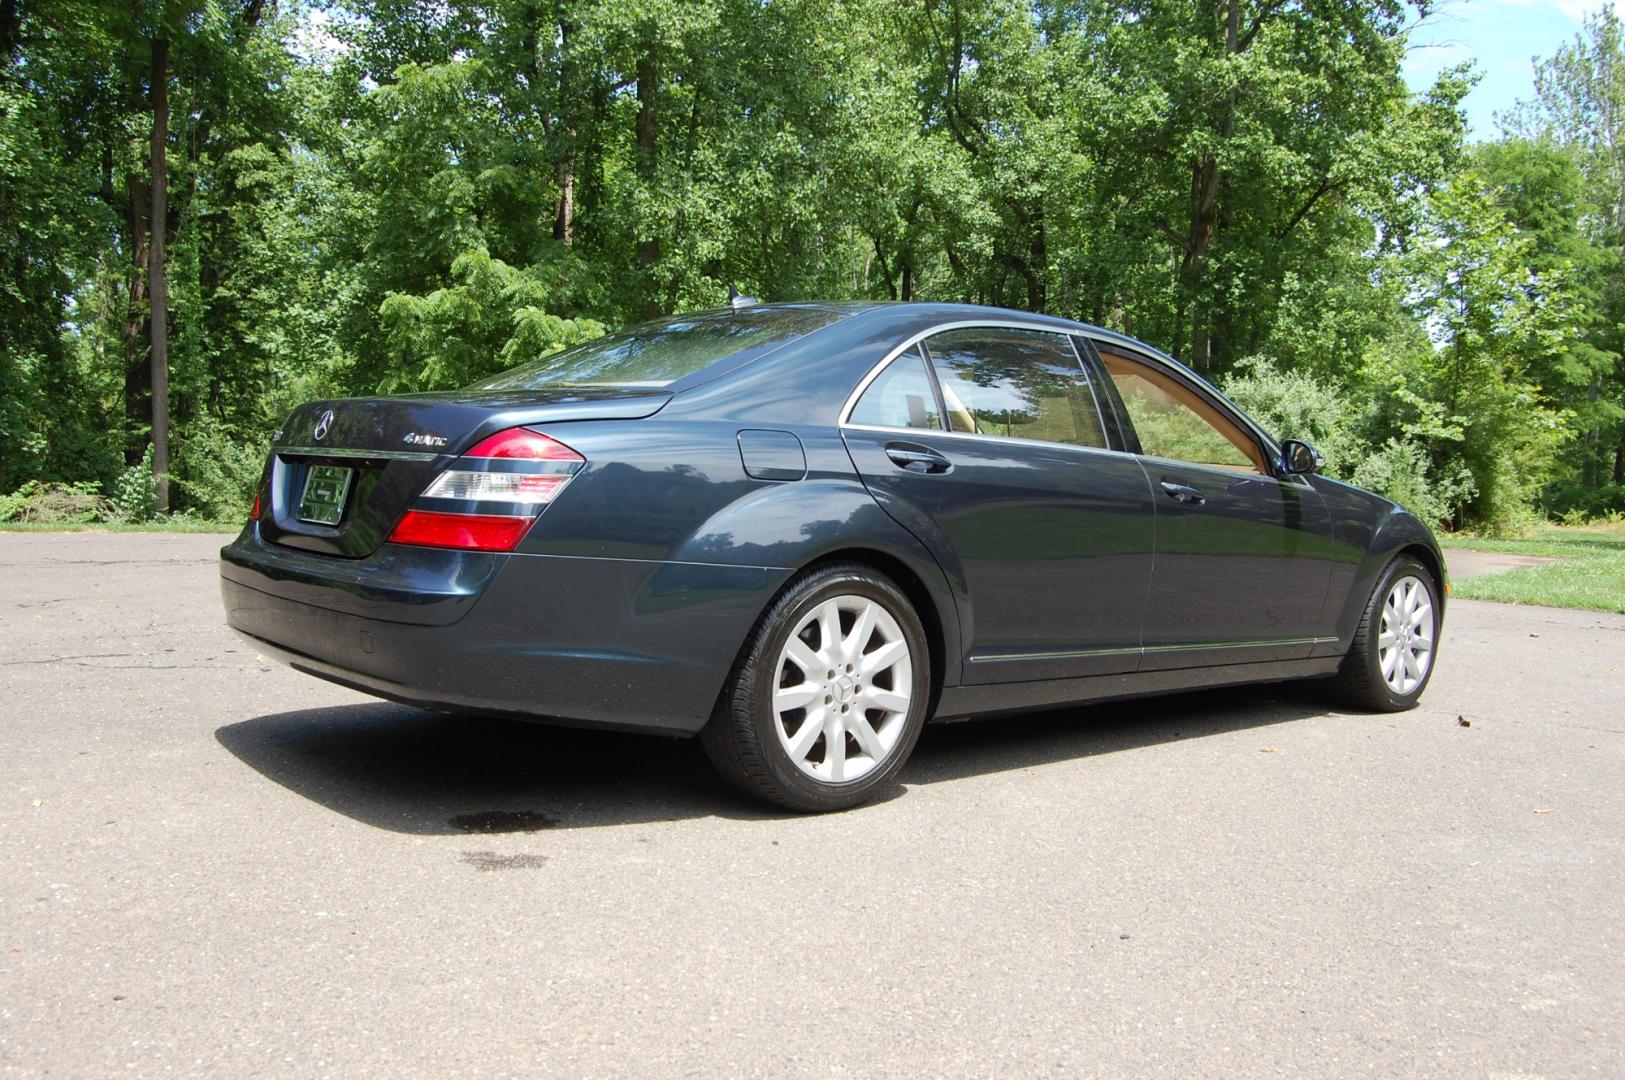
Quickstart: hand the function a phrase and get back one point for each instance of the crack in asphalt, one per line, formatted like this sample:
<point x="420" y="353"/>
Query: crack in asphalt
<point x="68" y="659"/>
<point x="81" y="660"/>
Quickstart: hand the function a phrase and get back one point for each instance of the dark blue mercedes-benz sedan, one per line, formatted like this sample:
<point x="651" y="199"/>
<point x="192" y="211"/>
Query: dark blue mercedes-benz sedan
<point x="800" y="530"/>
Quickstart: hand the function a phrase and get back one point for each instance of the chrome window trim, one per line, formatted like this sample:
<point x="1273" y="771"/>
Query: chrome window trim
<point x="1219" y="472"/>
<point x="844" y="419"/>
<point x="1005" y="440"/>
<point x="1095" y="337"/>
<point x="1144" y="355"/>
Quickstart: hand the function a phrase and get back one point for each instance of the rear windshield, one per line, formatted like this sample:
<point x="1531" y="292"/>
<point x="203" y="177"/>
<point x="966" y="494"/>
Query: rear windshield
<point x="659" y="353"/>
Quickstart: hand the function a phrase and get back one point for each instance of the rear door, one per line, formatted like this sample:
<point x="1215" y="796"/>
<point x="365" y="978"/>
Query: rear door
<point x="1243" y="557"/>
<point x="987" y="441"/>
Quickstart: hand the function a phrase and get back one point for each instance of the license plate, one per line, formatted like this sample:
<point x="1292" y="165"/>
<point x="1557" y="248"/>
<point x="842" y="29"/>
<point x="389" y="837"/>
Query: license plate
<point x="325" y="490"/>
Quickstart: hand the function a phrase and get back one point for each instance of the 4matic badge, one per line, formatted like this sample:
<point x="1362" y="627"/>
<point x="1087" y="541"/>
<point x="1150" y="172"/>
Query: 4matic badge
<point x="423" y="439"/>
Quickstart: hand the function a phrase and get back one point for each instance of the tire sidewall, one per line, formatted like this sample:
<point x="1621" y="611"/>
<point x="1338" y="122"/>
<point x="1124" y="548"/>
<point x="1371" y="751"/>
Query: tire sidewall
<point x="1404" y="566"/>
<point x="803" y="598"/>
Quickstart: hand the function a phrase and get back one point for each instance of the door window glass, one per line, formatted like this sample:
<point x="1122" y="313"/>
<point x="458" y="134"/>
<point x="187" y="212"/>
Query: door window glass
<point x="900" y="397"/>
<point x="1024" y="384"/>
<point x="1173" y="421"/>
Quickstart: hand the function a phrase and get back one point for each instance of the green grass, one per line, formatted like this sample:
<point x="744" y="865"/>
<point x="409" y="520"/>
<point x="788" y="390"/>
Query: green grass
<point x="176" y="525"/>
<point x="1590" y="575"/>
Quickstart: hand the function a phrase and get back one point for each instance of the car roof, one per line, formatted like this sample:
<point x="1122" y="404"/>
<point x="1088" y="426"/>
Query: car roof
<point x="932" y="310"/>
<point x="926" y="311"/>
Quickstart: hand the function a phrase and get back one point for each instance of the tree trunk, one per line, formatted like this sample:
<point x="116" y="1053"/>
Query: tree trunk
<point x="134" y="334"/>
<point x="564" y="211"/>
<point x="158" y="287"/>
<point x="1205" y="178"/>
<point x="11" y="26"/>
<point x="648" y="160"/>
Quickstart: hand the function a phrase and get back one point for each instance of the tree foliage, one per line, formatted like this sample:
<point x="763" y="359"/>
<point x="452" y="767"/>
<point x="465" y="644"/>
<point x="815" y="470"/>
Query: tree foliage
<point x="383" y="196"/>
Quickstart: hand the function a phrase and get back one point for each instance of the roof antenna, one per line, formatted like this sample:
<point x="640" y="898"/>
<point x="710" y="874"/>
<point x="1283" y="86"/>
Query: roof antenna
<point x="737" y="301"/>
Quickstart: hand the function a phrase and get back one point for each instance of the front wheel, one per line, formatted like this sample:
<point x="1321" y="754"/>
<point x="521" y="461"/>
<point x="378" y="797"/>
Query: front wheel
<point x="1391" y="658"/>
<point x="829" y="695"/>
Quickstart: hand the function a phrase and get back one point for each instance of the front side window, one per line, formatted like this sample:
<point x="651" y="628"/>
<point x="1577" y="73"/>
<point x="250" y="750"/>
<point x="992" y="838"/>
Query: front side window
<point x="1025" y="384"/>
<point x="1173" y="421"/>
<point x="899" y="397"/>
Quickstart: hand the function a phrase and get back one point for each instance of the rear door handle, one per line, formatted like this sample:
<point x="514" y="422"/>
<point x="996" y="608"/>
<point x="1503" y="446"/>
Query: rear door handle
<point x="917" y="458"/>
<point x="1183" y="493"/>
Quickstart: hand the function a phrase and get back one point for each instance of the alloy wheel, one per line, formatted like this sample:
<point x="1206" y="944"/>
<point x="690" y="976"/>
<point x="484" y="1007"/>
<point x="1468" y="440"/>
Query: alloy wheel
<point x="845" y="682"/>
<point x="1405" y="644"/>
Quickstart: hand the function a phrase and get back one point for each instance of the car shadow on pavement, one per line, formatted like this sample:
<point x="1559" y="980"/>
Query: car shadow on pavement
<point x="411" y="771"/>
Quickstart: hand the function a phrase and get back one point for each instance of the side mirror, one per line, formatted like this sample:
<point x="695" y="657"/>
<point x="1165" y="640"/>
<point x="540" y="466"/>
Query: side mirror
<point x="1301" y="457"/>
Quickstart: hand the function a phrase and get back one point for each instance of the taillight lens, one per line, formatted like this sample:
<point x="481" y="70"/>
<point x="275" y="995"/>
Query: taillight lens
<point x="490" y="496"/>
<point x="254" y="511"/>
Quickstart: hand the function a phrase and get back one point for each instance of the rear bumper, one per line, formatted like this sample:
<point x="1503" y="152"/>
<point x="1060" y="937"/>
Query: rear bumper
<point x="623" y="643"/>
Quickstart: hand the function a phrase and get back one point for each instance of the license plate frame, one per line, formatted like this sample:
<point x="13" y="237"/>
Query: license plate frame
<point x="327" y="489"/>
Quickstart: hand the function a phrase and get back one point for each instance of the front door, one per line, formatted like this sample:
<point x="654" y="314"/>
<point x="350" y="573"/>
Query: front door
<point x="1243" y="557"/>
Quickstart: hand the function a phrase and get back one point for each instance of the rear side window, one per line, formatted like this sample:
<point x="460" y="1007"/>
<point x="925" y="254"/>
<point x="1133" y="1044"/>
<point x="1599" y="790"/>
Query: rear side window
<point x="900" y="397"/>
<point x="1025" y="384"/>
<point x="659" y="353"/>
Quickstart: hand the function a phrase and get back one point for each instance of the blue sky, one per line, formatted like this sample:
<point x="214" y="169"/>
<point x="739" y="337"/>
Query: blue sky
<point x="1501" y="36"/>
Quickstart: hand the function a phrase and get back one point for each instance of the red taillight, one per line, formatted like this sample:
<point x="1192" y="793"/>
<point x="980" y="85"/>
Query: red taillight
<point x="254" y="511"/>
<point x="490" y="496"/>
<point x="477" y="532"/>
<point x="522" y="443"/>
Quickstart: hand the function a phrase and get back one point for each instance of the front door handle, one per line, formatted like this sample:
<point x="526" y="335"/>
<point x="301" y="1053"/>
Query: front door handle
<point x="1182" y="493"/>
<point x="917" y="459"/>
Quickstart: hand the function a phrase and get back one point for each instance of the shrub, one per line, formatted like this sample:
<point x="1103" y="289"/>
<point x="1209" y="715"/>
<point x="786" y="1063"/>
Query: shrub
<point x="135" y="493"/>
<point x="53" y="504"/>
<point x="215" y="473"/>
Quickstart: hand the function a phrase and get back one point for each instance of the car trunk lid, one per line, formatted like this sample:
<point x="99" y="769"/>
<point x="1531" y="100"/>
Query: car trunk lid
<point x="343" y="471"/>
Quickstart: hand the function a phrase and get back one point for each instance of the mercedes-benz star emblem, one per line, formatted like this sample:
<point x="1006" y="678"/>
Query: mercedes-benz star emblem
<point x="322" y="425"/>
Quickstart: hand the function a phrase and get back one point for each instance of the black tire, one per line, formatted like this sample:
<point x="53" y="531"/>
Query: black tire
<point x="1360" y="681"/>
<point x="742" y="738"/>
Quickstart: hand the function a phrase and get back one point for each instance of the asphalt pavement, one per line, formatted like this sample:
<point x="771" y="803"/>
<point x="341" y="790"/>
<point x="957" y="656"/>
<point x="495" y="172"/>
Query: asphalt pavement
<point x="212" y="865"/>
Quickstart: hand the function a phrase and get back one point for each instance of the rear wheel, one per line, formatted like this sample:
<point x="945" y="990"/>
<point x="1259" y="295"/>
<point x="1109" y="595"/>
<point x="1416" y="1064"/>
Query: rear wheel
<point x="829" y="695"/>
<point x="1391" y="658"/>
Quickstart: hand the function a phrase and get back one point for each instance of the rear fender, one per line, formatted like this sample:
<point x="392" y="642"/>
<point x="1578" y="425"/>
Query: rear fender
<point x="799" y="524"/>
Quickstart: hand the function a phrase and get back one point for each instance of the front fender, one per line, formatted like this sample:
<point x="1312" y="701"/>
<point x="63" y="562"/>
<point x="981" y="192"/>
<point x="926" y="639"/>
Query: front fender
<point x="1368" y="531"/>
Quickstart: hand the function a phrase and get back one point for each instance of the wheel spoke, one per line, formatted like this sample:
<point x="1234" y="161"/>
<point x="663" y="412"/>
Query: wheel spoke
<point x="803" y="657"/>
<point x="1411" y="670"/>
<point x="862" y="627"/>
<point x="1387" y="639"/>
<point x="884" y="657"/>
<point x="829" y="629"/>
<point x="807" y="734"/>
<point x="1390" y="663"/>
<point x="1421" y="614"/>
<point x="886" y="700"/>
<point x="864" y="732"/>
<point x="1421" y="644"/>
<point x="794" y="697"/>
<point x="835" y="747"/>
